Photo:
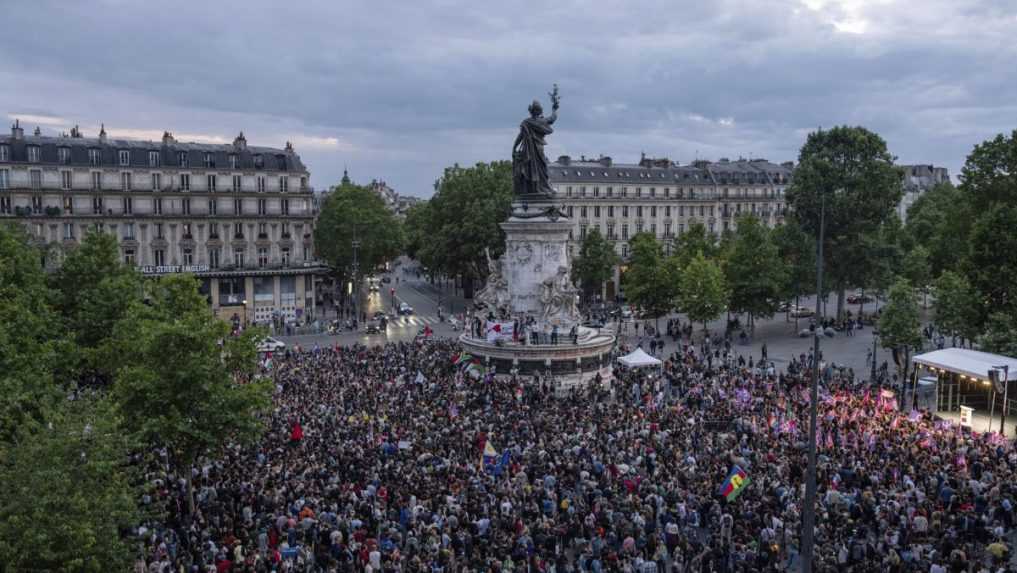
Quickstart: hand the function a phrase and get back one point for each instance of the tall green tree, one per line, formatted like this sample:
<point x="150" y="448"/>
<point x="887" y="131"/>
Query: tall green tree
<point x="67" y="495"/>
<point x="702" y="290"/>
<point x="355" y="213"/>
<point x="937" y="220"/>
<point x="1000" y="336"/>
<point x="595" y="264"/>
<point x="851" y="172"/>
<point x="185" y="384"/>
<point x="917" y="270"/>
<point x="94" y="291"/>
<point x="992" y="260"/>
<point x="696" y="240"/>
<point x="900" y="328"/>
<point x="989" y="175"/>
<point x="798" y="253"/>
<point x="755" y="272"/>
<point x="416" y="227"/>
<point x="465" y="212"/>
<point x="647" y="281"/>
<point x="956" y="306"/>
<point x="31" y="348"/>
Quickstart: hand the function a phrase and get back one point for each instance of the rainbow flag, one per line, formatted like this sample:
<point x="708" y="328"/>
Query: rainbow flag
<point x="736" y="481"/>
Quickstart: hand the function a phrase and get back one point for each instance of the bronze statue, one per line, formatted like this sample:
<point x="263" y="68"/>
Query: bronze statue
<point x="529" y="164"/>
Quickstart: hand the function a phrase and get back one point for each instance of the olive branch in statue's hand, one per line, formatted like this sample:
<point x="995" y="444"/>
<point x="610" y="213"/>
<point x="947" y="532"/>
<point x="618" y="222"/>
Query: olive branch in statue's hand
<point x="555" y="98"/>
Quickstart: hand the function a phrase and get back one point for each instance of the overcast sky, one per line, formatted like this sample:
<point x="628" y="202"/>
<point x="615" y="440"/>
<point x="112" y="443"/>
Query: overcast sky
<point x="397" y="90"/>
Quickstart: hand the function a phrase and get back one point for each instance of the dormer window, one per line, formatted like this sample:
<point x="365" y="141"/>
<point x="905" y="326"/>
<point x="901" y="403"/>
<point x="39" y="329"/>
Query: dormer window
<point x="64" y="155"/>
<point x="233" y="161"/>
<point x="154" y="159"/>
<point x="33" y="153"/>
<point x="209" y="160"/>
<point x="259" y="162"/>
<point x="5" y="153"/>
<point x="182" y="159"/>
<point x="125" y="157"/>
<point x="95" y="157"/>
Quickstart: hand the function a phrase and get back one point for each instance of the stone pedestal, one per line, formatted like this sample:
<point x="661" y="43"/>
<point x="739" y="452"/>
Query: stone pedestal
<point x="535" y="268"/>
<point x="536" y="250"/>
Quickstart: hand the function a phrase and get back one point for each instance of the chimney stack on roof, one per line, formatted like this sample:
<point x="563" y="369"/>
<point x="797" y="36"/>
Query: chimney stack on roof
<point x="102" y="133"/>
<point x="167" y="138"/>
<point x="240" y="142"/>
<point x="75" y="132"/>
<point x="289" y="147"/>
<point x="16" y="131"/>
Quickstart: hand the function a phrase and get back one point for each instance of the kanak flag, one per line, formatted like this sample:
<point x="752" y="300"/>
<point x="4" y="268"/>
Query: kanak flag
<point x="736" y="481"/>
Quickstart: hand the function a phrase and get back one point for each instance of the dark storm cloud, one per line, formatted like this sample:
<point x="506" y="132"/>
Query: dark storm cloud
<point x="398" y="90"/>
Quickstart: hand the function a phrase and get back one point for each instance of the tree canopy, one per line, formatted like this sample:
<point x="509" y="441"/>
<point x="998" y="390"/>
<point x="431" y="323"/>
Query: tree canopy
<point x="356" y="213"/>
<point x="702" y="290"/>
<point x="755" y="272"/>
<point x="853" y="170"/>
<point x="181" y="385"/>
<point x="595" y="264"/>
<point x="647" y="281"/>
<point x="462" y="219"/>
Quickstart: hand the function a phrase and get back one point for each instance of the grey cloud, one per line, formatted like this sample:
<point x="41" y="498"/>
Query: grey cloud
<point x="411" y="87"/>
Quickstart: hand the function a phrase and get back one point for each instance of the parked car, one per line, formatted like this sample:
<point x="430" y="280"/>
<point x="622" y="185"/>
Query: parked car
<point x="270" y="344"/>
<point x="858" y="298"/>
<point x="801" y="312"/>
<point x="405" y="309"/>
<point x="386" y="279"/>
<point x="785" y="307"/>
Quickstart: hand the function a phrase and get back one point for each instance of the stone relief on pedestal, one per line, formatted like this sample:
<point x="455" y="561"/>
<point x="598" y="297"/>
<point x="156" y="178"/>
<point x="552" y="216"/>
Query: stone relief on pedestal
<point x="552" y="252"/>
<point x="558" y="297"/>
<point x="495" y="295"/>
<point x="522" y="253"/>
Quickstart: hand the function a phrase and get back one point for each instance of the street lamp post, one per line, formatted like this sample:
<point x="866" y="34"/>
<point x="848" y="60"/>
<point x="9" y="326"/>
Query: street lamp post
<point x="809" y="509"/>
<point x="1006" y="389"/>
<point x="875" y="335"/>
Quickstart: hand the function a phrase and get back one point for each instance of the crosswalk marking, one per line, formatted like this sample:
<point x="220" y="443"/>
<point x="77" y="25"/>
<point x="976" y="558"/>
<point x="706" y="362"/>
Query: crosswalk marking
<point x="413" y="320"/>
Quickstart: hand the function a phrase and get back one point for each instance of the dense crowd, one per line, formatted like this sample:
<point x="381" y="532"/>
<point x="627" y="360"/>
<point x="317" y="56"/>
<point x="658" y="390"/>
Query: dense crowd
<point x="373" y="460"/>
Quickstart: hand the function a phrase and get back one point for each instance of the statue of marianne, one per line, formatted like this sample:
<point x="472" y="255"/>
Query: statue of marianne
<point x="529" y="164"/>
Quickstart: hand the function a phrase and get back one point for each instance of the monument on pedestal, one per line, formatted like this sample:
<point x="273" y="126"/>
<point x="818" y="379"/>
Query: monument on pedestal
<point x="531" y="321"/>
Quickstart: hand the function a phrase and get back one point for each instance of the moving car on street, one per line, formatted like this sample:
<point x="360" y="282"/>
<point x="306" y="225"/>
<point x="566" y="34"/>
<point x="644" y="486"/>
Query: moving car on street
<point x="801" y="312"/>
<point x="405" y="309"/>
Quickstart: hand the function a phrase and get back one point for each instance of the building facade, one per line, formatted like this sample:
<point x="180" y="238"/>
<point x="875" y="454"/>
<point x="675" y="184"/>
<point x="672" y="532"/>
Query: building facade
<point x="917" y="180"/>
<point x="240" y="218"/>
<point x="664" y="198"/>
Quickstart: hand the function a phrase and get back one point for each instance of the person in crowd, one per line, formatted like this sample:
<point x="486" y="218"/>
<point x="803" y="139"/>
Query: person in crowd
<point x="391" y="459"/>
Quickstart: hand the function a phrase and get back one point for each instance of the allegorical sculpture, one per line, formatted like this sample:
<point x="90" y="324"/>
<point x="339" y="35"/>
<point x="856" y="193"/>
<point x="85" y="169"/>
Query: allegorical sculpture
<point x="558" y="297"/>
<point x="494" y="295"/>
<point x="529" y="164"/>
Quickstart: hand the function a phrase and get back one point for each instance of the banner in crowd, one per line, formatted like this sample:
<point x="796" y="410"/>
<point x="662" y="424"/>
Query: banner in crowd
<point x="499" y="330"/>
<point x="736" y="481"/>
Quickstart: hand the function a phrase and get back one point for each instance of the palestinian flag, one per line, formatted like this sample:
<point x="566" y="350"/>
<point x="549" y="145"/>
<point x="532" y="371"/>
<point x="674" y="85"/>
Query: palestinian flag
<point x="461" y="360"/>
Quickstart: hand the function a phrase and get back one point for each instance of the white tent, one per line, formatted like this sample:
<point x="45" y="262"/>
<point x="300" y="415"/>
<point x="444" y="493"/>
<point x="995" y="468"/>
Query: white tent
<point x="966" y="362"/>
<point x="639" y="359"/>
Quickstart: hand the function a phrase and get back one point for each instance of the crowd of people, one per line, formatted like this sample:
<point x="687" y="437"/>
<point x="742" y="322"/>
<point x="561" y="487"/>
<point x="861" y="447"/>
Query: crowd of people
<point x="392" y="458"/>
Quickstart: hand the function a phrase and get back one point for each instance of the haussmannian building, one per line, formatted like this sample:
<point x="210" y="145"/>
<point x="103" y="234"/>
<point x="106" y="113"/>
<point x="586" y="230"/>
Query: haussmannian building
<point x="664" y="198"/>
<point x="238" y="217"/>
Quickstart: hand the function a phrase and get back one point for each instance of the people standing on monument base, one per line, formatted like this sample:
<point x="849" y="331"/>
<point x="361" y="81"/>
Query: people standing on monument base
<point x="379" y="459"/>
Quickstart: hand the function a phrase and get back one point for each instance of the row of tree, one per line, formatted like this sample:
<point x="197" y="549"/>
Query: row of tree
<point x="98" y="369"/>
<point x="750" y="270"/>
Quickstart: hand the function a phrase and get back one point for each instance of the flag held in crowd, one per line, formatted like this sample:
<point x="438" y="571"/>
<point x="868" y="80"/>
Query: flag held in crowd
<point x="736" y="481"/>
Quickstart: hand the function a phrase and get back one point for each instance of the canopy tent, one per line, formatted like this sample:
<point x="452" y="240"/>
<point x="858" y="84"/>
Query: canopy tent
<point x="639" y="359"/>
<point x="973" y="364"/>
